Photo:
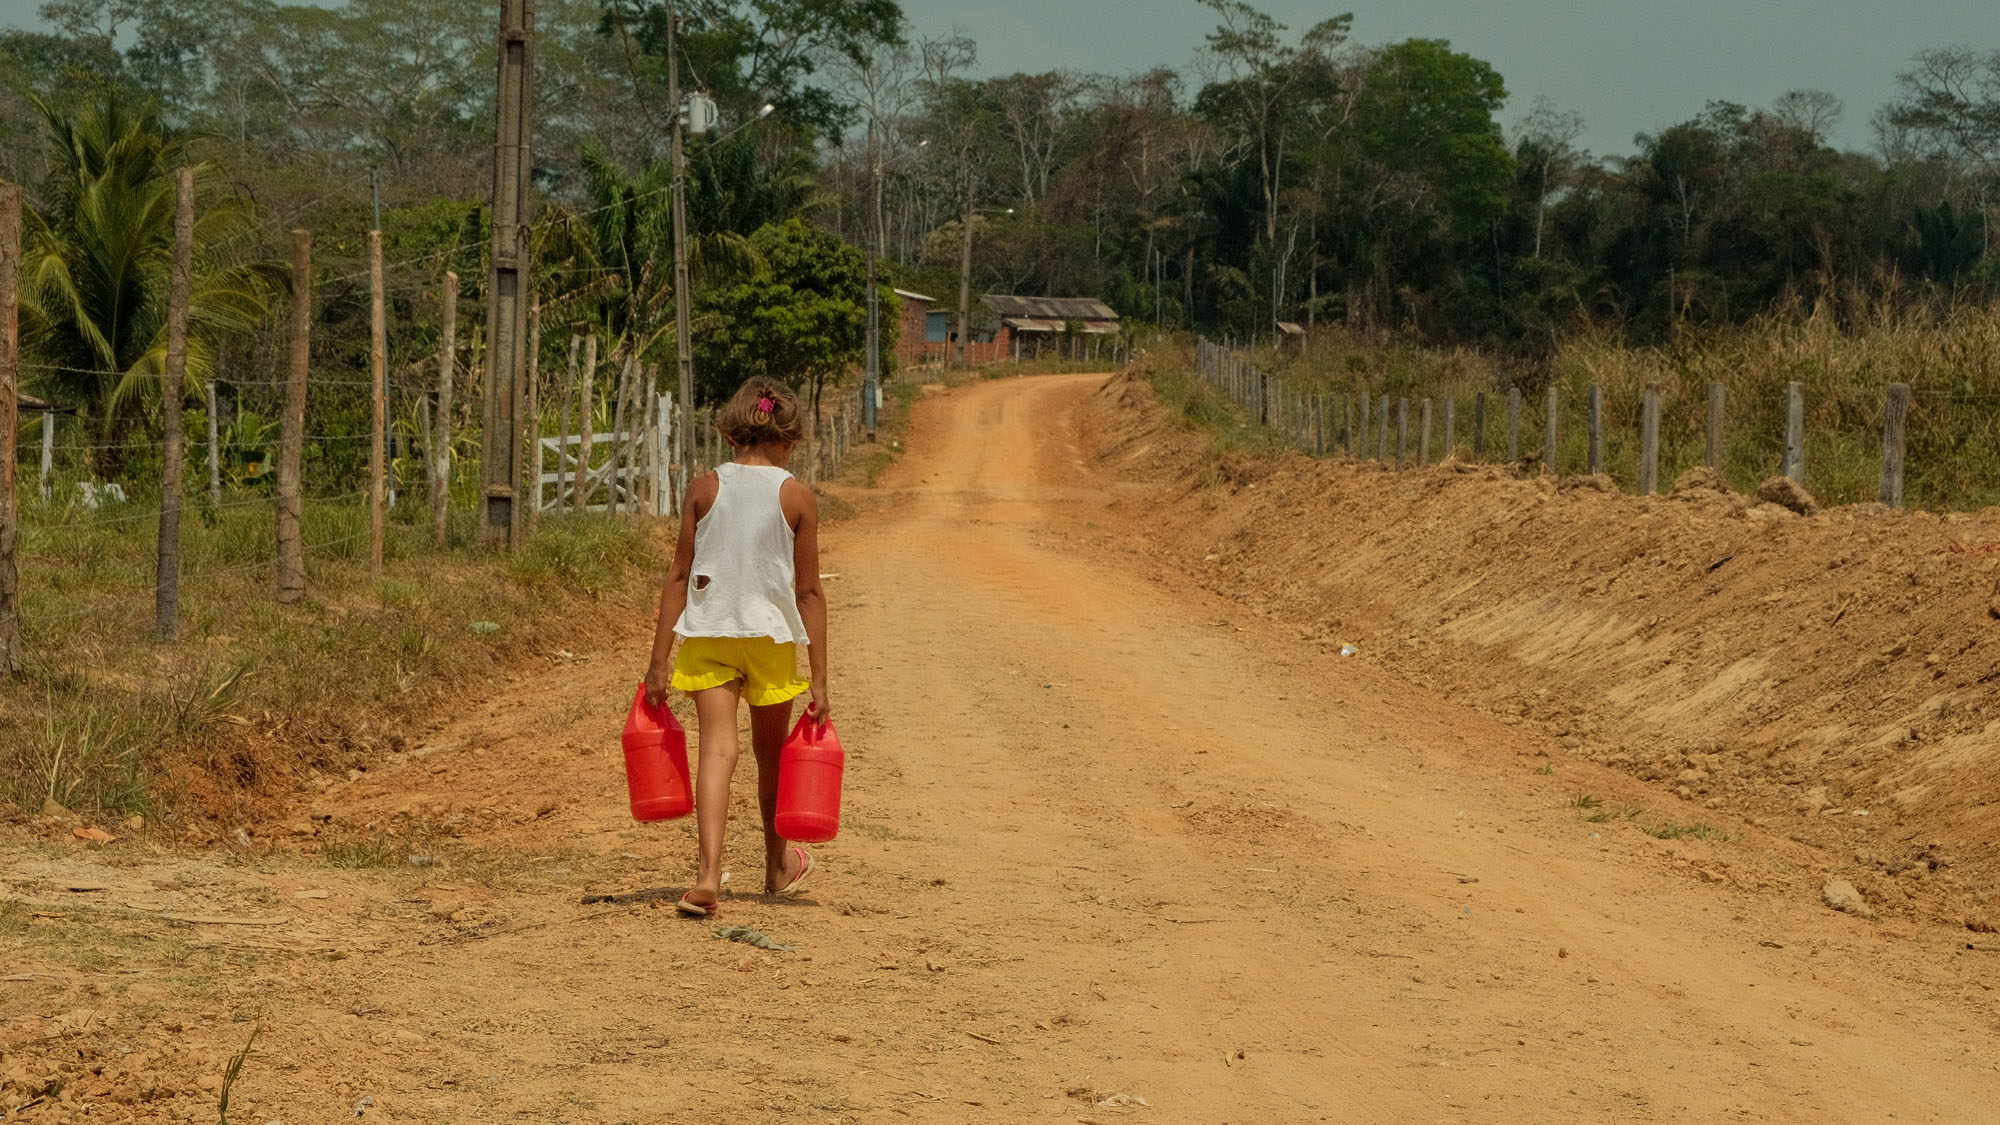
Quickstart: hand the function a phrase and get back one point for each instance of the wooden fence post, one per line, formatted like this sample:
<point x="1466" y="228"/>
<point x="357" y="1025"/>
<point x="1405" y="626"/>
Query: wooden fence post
<point x="1715" y="402"/>
<point x="1450" y="428"/>
<point x="586" y="426"/>
<point x="649" y="411"/>
<point x="530" y="490"/>
<point x="670" y="492"/>
<point x="615" y="503"/>
<point x="1596" y="465"/>
<point x="447" y="372"/>
<point x="378" y="397"/>
<point x="48" y="454"/>
<point x="214" y="452"/>
<point x="1513" y="423"/>
<point x="1382" y="428"/>
<point x="562" y="424"/>
<point x="292" y="428"/>
<point x="1424" y="438"/>
<point x="1549" y="434"/>
<point x="1649" y="442"/>
<point x="1360" y="451"/>
<point x="167" y="584"/>
<point x="1795" y="431"/>
<point x="1895" y="418"/>
<point x="1479" y="425"/>
<point x="1402" y="430"/>
<point x="10" y="413"/>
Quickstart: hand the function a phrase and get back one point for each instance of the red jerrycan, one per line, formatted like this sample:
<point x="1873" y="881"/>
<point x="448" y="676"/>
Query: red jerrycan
<point x="656" y="762"/>
<point x="809" y="768"/>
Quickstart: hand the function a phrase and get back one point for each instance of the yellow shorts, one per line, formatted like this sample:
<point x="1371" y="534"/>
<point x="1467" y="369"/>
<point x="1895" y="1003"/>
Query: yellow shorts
<point x="769" y="670"/>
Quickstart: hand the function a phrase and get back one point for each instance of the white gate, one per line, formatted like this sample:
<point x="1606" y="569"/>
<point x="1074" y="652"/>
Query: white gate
<point x="635" y="474"/>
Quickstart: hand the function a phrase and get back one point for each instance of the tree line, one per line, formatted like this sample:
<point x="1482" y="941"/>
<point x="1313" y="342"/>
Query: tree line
<point x="1288" y="174"/>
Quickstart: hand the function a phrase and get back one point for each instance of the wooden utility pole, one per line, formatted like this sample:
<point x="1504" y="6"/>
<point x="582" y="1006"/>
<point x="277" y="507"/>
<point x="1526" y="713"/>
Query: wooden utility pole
<point x="167" y="576"/>
<point x="683" y="309"/>
<point x="378" y="397"/>
<point x="292" y="428"/>
<point x="10" y="415"/>
<point x="447" y="376"/>
<point x="509" y="283"/>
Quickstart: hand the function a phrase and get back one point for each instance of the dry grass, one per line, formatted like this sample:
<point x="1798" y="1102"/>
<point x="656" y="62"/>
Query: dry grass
<point x="1846" y="358"/>
<point x="107" y="723"/>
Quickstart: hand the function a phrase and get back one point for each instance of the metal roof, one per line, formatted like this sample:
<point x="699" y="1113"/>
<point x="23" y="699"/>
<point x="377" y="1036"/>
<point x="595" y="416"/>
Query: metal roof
<point x="915" y="296"/>
<point x="1030" y="324"/>
<point x="1051" y="308"/>
<point x="32" y="405"/>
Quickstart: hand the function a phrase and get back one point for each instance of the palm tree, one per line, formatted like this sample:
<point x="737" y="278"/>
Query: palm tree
<point x="95" y="267"/>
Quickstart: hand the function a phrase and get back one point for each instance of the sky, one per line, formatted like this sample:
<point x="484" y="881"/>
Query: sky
<point x="1628" y="67"/>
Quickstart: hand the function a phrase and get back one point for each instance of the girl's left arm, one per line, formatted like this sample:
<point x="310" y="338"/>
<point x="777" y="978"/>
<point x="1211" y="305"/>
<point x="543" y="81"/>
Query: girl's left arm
<point x="809" y="589"/>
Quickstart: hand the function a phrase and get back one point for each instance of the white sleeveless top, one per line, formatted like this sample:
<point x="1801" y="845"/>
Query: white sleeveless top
<point x="743" y="548"/>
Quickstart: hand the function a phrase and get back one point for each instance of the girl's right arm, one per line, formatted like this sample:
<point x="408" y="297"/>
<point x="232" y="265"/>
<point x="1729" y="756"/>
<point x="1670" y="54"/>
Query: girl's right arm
<point x="660" y="669"/>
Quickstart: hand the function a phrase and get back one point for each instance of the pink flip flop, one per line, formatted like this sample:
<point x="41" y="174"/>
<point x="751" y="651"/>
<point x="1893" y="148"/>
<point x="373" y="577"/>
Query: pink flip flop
<point x="805" y="869"/>
<point x="695" y="909"/>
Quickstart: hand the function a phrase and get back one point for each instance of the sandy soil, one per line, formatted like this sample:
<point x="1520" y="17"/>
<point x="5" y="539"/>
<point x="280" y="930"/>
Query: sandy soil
<point x="1107" y="834"/>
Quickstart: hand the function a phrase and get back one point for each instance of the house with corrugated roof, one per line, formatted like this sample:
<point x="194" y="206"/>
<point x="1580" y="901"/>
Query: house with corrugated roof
<point x="1004" y="327"/>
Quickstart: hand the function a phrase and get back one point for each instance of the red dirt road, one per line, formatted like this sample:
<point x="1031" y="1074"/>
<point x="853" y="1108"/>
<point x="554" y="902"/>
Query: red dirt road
<point x="1105" y="836"/>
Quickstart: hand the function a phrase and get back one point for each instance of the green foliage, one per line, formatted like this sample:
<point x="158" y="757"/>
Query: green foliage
<point x="804" y="321"/>
<point x="95" y="270"/>
<point x="1426" y="113"/>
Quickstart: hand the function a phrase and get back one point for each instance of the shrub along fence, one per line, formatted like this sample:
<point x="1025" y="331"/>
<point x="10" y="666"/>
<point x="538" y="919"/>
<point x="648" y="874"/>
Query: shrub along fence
<point x="1399" y="429"/>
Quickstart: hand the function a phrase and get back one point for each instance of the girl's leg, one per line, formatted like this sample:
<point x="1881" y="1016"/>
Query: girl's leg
<point x="715" y="718"/>
<point x="768" y="728"/>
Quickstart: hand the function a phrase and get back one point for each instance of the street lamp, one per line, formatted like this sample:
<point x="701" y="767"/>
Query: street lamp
<point x="965" y="276"/>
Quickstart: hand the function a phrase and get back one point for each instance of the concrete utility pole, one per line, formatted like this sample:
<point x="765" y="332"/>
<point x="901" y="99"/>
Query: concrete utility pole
<point x="683" y="317"/>
<point x="874" y="381"/>
<point x="510" y="281"/>
<point x="965" y="277"/>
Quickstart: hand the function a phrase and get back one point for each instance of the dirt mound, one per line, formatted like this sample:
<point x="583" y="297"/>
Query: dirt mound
<point x="1829" y="676"/>
<point x="1788" y="493"/>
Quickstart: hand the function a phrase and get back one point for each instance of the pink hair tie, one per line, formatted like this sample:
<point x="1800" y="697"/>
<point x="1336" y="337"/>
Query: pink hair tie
<point x="766" y="405"/>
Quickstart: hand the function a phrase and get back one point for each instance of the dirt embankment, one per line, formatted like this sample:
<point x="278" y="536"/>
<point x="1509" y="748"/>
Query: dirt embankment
<point x="1827" y="676"/>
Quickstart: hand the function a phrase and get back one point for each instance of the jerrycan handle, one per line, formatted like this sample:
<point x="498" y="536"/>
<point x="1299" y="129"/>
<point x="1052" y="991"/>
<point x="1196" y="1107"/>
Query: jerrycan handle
<point x="809" y="731"/>
<point x="644" y="717"/>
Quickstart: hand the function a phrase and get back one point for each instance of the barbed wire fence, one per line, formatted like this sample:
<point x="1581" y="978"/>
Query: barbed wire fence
<point x="73" y="517"/>
<point x="1397" y="429"/>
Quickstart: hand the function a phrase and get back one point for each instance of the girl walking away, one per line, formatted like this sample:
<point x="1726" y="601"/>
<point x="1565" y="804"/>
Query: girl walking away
<point x="743" y="592"/>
